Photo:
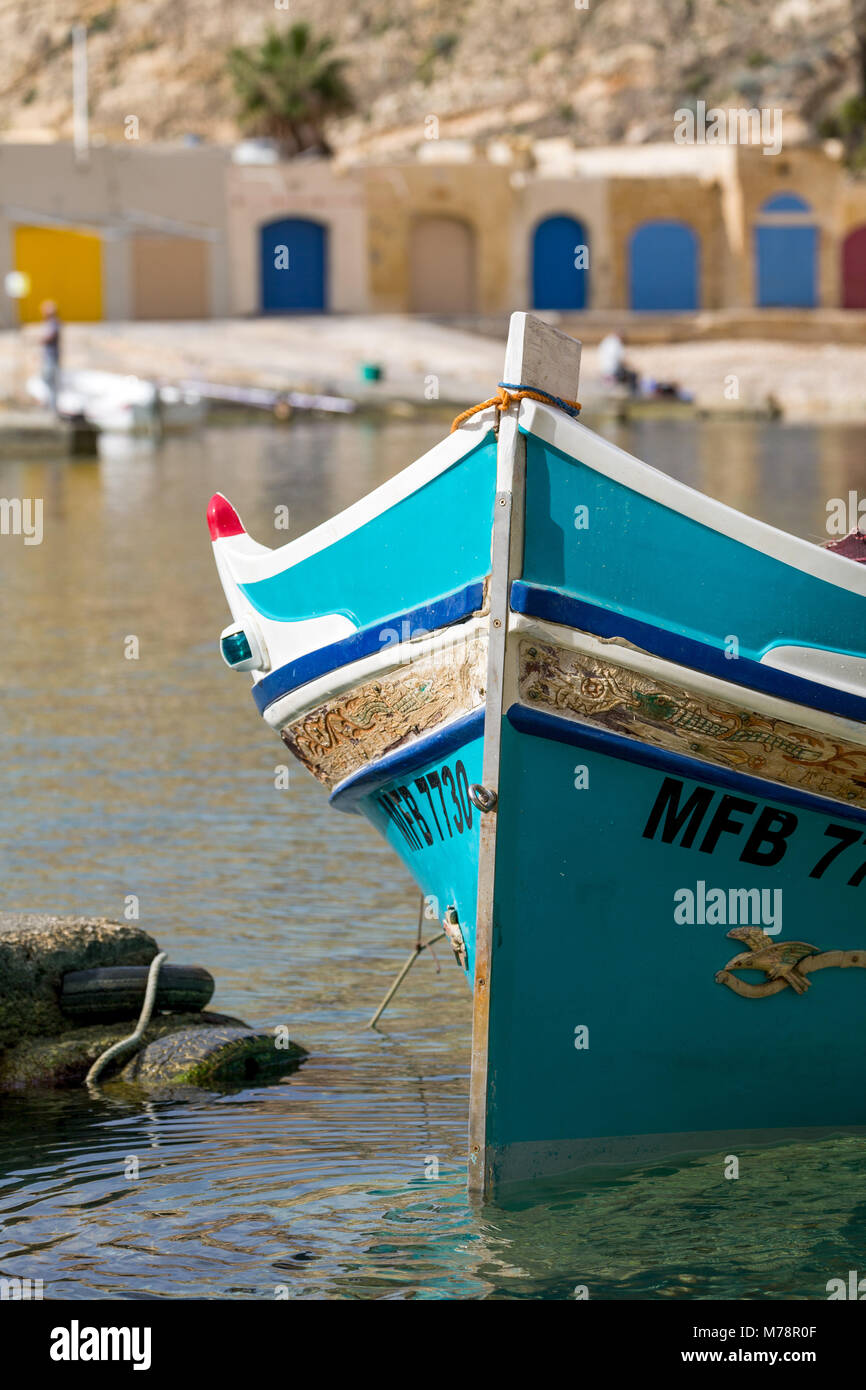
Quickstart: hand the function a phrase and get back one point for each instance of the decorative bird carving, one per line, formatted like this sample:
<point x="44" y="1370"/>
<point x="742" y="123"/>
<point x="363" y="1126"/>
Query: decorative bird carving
<point x="778" y="959"/>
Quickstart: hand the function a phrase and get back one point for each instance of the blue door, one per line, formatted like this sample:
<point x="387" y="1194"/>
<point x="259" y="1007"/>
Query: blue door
<point x="786" y="256"/>
<point x="560" y="264"/>
<point x="294" y="266"/>
<point x="663" y="268"/>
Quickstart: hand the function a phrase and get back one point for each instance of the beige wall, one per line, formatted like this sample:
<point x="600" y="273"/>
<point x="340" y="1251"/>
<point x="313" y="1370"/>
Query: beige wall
<point x="853" y="207"/>
<point x="137" y="195"/>
<point x="538" y="196"/>
<point x="257" y="194"/>
<point x="478" y="193"/>
<point x="635" y="201"/>
<point x="120" y="191"/>
<point x="812" y="175"/>
<point x="170" y="277"/>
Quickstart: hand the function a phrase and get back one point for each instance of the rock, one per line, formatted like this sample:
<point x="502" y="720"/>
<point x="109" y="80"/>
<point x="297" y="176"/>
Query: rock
<point x="36" y="951"/>
<point x="212" y="1058"/>
<point x="41" y="1047"/>
<point x="65" y="1060"/>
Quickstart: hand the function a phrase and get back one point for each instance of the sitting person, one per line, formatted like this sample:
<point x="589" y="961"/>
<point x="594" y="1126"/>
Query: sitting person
<point x="612" y="363"/>
<point x="617" y="372"/>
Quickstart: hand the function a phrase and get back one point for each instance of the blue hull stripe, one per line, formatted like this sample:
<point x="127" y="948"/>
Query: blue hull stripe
<point x="554" y="607"/>
<point x="558" y="730"/>
<point x="445" y="611"/>
<point x="429" y="749"/>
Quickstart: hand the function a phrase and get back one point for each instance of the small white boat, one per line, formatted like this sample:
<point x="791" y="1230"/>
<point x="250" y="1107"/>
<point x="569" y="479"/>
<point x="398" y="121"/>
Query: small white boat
<point x="118" y="404"/>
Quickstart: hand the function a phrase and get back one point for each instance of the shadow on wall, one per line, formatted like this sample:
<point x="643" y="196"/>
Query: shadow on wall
<point x="442" y="266"/>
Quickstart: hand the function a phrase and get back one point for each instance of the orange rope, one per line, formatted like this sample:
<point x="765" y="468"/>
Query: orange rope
<point x="503" y="399"/>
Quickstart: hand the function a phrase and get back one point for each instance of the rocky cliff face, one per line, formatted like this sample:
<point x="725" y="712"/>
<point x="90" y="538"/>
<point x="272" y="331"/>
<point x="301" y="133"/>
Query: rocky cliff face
<point x="599" y="71"/>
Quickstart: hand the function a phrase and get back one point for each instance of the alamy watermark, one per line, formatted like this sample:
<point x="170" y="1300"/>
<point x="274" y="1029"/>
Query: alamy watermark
<point x="739" y="125"/>
<point x="851" y="1288"/>
<point x="845" y="514"/>
<point x="22" y="516"/>
<point x="447" y="654"/>
<point x="731" y="907"/>
<point x="77" y="1343"/>
<point x="17" y="1289"/>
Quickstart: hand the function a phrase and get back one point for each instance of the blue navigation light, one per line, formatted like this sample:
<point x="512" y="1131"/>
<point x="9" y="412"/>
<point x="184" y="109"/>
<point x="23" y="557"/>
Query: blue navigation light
<point x="236" y="648"/>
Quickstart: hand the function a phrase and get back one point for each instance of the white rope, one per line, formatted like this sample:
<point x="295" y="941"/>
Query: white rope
<point x="143" y="1020"/>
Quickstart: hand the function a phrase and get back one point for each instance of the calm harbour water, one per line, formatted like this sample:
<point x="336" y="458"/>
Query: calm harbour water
<point x="155" y="777"/>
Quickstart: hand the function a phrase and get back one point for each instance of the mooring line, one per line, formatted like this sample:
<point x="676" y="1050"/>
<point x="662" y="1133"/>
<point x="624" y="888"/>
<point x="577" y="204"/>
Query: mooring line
<point x="404" y="971"/>
<point x="143" y="1020"/>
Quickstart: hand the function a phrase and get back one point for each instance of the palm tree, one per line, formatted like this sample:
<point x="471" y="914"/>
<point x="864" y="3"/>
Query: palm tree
<point x="288" y="86"/>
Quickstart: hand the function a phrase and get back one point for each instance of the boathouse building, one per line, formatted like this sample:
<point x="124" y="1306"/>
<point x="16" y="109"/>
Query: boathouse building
<point x="454" y="229"/>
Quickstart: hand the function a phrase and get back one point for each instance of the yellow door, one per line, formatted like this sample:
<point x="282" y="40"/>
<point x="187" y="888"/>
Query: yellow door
<point x="63" y="265"/>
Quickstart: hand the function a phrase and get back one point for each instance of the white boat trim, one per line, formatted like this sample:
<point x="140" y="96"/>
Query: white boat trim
<point x="302" y="701"/>
<point x="250" y="568"/>
<point x="282" y="641"/>
<point x="534" y="350"/>
<point x="841" y="670"/>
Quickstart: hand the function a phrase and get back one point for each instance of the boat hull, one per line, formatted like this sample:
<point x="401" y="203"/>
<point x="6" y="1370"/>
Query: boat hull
<point x="616" y="732"/>
<point x="682" y="756"/>
<point x="608" y="1021"/>
<point x="424" y="811"/>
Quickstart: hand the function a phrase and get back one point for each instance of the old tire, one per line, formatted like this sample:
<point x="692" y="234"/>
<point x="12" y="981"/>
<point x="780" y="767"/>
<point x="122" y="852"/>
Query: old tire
<point x="115" y="992"/>
<point x="213" y="1058"/>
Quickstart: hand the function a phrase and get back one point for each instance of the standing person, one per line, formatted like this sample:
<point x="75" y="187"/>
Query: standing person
<point x="49" y="338"/>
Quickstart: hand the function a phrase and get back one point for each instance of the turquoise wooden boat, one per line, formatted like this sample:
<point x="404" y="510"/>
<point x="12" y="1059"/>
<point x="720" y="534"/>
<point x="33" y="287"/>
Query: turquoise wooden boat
<point x="617" y="733"/>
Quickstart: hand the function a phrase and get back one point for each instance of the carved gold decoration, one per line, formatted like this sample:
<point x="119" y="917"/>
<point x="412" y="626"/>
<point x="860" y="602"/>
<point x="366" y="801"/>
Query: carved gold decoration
<point x="784" y="963"/>
<point x="345" y="733"/>
<point x="666" y="716"/>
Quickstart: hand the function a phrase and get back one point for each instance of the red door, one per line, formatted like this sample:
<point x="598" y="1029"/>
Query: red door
<point x="854" y="269"/>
